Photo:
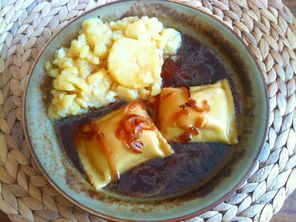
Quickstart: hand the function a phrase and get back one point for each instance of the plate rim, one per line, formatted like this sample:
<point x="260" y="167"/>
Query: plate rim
<point x="114" y="218"/>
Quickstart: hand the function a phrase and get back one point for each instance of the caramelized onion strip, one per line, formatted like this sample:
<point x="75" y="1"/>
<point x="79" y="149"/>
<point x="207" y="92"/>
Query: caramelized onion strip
<point x="115" y="175"/>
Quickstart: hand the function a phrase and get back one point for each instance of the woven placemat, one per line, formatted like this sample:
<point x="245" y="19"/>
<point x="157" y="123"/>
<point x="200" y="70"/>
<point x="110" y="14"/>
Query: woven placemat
<point x="266" y="26"/>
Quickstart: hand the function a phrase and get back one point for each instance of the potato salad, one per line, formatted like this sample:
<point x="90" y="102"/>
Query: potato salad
<point x="109" y="60"/>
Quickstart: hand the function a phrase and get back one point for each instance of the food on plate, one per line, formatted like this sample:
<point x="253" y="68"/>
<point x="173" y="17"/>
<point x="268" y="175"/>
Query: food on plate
<point x="117" y="142"/>
<point x="198" y="114"/>
<point x="109" y="60"/>
<point x="134" y="142"/>
<point x="134" y="64"/>
<point x="130" y="59"/>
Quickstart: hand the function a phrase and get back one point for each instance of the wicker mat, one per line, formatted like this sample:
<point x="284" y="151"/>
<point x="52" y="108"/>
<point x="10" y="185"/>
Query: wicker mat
<point x="266" y="26"/>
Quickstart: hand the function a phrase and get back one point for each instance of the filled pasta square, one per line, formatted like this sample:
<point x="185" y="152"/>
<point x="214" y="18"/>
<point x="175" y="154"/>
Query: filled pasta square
<point x="198" y="114"/>
<point x="117" y="142"/>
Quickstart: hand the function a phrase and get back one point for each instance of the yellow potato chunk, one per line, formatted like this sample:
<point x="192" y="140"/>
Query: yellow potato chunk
<point x="133" y="63"/>
<point x="138" y="30"/>
<point x="170" y="40"/>
<point x="97" y="33"/>
<point x="126" y="93"/>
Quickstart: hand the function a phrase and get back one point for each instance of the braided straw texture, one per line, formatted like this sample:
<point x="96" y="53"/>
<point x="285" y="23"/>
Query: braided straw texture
<point x="266" y="26"/>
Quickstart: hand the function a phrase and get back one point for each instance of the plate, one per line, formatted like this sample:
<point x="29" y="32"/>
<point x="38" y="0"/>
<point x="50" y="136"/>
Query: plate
<point x="238" y="160"/>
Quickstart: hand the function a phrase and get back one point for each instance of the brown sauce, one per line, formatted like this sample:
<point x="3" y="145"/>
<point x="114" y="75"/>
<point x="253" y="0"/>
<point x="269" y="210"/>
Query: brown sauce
<point x="193" y="164"/>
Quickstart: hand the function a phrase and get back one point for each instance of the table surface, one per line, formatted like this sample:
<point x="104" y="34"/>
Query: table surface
<point x="288" y="212"/>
